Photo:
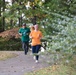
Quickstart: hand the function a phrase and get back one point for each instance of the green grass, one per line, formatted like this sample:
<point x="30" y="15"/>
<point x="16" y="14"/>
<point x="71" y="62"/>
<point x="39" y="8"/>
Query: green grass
<point x="54" y="70"/>
<point x="62" y="68"/>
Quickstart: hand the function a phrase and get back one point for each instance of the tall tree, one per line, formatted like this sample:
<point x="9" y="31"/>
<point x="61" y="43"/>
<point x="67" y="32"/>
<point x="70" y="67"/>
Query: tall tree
<point x="35" y="10"/>
<point x="3" y="20"/>
<point x="0" y="17"/>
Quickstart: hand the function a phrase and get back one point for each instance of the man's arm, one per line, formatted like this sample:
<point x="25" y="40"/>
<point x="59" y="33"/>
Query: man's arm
<point x="19" y="32"/>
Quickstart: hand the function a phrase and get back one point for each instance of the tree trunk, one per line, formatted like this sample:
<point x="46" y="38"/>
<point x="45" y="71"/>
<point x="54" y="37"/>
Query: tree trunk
<point x="0" y="18"/>
<point x="11" y="23"/>
<point x="3" y="19"/>
<point x="19" y="21"/>
<point x="20" y="18"/>
<point x="34" y="20"/>
<point x="0" y="9"/>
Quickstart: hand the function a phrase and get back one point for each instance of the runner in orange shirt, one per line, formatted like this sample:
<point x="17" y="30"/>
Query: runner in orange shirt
<point x="36" y="36"/>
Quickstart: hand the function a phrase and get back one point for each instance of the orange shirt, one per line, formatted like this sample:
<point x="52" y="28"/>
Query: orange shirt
<point x="36" y="37"/>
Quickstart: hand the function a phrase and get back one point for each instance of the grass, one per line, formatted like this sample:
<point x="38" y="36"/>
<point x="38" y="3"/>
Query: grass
<point x="62" y="68"/>
<point x="54" y="70"/>
<point x="6" y="54"/>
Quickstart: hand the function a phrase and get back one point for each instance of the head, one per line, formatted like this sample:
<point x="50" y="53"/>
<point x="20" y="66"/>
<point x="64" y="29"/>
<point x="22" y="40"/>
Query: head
<point x="36" y="27"/>
<point x="32" y="28"/>
<point x="23" y="25"/>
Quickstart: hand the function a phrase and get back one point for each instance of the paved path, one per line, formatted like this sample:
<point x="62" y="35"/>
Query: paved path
<point x="20" y="64"/>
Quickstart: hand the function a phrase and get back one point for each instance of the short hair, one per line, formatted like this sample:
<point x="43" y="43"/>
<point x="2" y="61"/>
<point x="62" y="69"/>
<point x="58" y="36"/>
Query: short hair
<point x="24" y="24"/>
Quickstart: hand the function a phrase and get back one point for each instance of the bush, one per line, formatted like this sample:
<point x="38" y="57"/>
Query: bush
<point x="11" y="44"/>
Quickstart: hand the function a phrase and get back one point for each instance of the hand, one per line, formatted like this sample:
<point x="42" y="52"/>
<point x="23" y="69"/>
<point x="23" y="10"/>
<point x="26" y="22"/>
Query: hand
<point x="39" y="36"/>
<point x="27" y="33"/>
<point x="31" y="37"/>
<point x="20" y="34"/>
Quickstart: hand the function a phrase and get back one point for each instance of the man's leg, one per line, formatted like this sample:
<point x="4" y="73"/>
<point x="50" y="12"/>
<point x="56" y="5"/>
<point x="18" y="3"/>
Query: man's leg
<point x="27" y="46"/>
<point x="24" y="47"/>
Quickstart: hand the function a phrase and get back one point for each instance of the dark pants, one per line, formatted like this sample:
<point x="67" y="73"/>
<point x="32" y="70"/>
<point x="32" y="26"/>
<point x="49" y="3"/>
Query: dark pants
<point x="25" y="46"/>
<point x="35" y="50"/>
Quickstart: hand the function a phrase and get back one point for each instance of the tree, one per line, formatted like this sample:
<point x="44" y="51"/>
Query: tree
<point x="35" y="11"/>
<point x="2" y="18"/>
<point x="3" y="21"/>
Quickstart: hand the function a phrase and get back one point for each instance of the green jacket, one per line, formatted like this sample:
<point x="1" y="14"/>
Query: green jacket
<point x="25" y="34"/>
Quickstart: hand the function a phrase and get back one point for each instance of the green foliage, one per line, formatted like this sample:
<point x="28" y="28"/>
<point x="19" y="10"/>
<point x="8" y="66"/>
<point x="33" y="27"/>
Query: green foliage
<point x="60" y="31"/>
<point x="18" y="8"/>
<point x="66" y="37"/>
<point x="10" y="44"/>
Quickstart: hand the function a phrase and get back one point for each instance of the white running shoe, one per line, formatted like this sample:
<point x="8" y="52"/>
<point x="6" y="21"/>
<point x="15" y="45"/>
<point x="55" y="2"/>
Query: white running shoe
<point x="34" y="58"/>
<point x="36" y="61"/>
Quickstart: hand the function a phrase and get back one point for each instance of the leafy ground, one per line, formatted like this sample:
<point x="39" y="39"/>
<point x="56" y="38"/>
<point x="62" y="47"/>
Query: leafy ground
<point x="5" y="55"/>
<point x="54" y="70"/>
<point x="12" y="33"/>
